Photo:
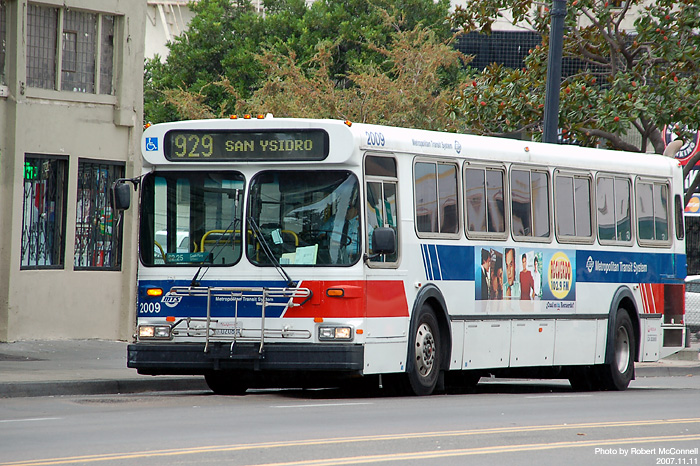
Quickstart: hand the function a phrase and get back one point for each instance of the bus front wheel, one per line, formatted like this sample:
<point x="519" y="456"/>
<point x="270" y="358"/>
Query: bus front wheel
<point x="424" y="367"/>
<point x="618" y="373"/>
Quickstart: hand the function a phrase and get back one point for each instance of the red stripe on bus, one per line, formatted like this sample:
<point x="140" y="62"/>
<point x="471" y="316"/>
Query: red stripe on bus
<point x="380" y="298"/>
<point x="659" y="298"/>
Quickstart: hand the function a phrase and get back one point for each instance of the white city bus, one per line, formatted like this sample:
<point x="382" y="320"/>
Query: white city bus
<point x="288" y="251"/>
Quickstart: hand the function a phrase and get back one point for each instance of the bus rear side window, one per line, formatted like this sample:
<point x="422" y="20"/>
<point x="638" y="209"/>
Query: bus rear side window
<point x="652" y="211"/>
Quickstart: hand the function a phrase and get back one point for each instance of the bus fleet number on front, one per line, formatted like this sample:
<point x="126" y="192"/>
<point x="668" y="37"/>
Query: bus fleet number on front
<point x="149" y="308"/>
<point x="375" y="139"/>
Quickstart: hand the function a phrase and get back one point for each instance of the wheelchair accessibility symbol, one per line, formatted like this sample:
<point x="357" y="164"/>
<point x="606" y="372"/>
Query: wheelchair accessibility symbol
<point x="151" y="144"/>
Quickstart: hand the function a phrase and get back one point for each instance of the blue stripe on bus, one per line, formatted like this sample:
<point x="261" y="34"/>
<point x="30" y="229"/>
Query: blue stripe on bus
<point x="434" y="262"/>
<point x="629" y="267"/>
<point x="457" y="262"/>
<point x="196" y="306"/>
<point x="424" y="254"/>
<point x="447" y="262"/>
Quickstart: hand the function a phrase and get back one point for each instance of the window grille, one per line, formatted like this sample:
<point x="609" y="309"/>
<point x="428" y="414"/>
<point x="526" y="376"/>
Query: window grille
<point x="79" y="49"/>
<point x="44" y="211"/>
<point x="509" y="48"/>
<point x="107" y="55"/>
<point x="86" y="44"/>
<point x="42" y="24"/>
<point x="95" y="237"/>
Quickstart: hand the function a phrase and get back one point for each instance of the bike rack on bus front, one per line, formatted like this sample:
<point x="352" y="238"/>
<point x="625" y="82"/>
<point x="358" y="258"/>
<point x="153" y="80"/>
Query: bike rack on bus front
<point x="237" y="294"/>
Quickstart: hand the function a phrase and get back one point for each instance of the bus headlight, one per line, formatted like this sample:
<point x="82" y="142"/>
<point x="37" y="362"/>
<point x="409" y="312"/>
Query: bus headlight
<point x="326" y="333"/>
<point x="157" y="332"/>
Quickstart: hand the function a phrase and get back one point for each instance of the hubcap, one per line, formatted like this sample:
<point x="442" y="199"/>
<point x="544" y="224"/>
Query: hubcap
<point x="622" y="349"/>
<point x="425" y="350"/>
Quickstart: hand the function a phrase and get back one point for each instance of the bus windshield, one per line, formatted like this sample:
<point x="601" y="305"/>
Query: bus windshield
<point x="304" y="218"/>
<point x="191" y="218"/>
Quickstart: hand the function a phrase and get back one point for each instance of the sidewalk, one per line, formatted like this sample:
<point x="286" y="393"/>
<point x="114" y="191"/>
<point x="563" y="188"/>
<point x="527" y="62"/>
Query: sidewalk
<point x="78" y="367"/>
<point x="92" y="367"/>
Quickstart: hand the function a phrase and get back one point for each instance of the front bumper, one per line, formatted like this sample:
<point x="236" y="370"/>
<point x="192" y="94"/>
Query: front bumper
<point x="190" y="358"/>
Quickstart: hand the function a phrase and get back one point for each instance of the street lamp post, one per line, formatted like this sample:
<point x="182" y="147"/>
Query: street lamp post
<point x="553" y="85"/>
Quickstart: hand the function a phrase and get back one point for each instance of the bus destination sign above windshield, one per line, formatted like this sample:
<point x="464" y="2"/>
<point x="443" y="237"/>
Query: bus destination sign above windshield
<point x="242" y="146"/>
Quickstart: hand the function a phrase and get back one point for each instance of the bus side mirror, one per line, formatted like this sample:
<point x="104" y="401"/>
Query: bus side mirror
<point x="383" y="240"/>
<point x="121" y="196"/>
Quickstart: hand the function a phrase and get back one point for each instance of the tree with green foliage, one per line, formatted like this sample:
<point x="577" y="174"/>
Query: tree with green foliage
<point x="406" y="90"/>
<point x="231" y="56"/>
<point x="634" y="80"/>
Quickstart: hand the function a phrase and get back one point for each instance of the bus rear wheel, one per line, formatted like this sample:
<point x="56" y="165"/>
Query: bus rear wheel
<point x="226" y="383"/>
<point x="618" y="373"/>
<point x="424" y="367"/>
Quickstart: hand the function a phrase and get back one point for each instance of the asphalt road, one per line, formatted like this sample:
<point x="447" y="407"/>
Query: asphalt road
<point x="656" y="421"/>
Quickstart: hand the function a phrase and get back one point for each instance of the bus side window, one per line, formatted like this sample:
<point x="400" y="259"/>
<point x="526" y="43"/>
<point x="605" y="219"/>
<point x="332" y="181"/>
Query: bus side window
<point x="426" y="188"/>
<point x="495" y="202"/>
<point x="606" y="209"/>
<point x="435" y="187"/>
<point x="475" y="194"/>
<point x="520" y="202"/>
<point x="680" y="222"/>
<point x="530" y="203"/>
<point x="652" y="211"/>
<point x="483" y="188"/>
<point x="622" y="209"/>
<point x="613" y="203"/>
<point x="572" y="195"/>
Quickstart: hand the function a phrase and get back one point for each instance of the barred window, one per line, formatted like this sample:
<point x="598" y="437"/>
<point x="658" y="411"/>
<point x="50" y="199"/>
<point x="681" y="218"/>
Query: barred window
<point x="95" y="237"/>
<point x="106" y="54"/>
<point x="79" y="47"/>
<point x="42" y="24"/>
<point x="86" y="43"/>
<point x="44" y="212"/>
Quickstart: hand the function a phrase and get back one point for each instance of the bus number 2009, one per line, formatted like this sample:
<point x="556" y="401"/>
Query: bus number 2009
<point x="149" y="308"/>
<point x="375" y="139"/>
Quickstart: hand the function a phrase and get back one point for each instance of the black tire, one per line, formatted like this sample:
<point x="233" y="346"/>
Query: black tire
<point x="424" y="354"/>
<point x="226" y="383"/>
<point x="619" y="372"/>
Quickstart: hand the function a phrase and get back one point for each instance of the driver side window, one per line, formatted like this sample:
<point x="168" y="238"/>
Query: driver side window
<point x="381" y="195"/>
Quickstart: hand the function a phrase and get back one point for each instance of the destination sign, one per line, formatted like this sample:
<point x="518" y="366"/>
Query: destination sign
<point x="245" y="146"/>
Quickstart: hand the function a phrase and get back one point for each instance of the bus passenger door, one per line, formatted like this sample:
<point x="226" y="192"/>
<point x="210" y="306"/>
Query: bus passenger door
<point x="386" y="304"/>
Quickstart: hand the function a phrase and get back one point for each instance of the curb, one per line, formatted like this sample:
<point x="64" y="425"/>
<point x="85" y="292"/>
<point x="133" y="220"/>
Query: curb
<point x="99" y="387"/>
<point x="155" y="384"/>
<point x="667" y="371"/>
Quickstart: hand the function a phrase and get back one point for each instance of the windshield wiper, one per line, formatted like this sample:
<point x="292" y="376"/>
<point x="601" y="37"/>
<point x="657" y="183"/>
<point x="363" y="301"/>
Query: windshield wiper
<point x="268" y="252"/>
<point x="231" y="227"/>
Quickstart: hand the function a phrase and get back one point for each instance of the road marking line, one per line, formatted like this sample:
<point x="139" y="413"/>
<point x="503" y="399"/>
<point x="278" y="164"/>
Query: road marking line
<point x="320" y="405"/>
<point x="479" y="451"/>
<point x="376" y="438"/>
<point x="5" y="421"/>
